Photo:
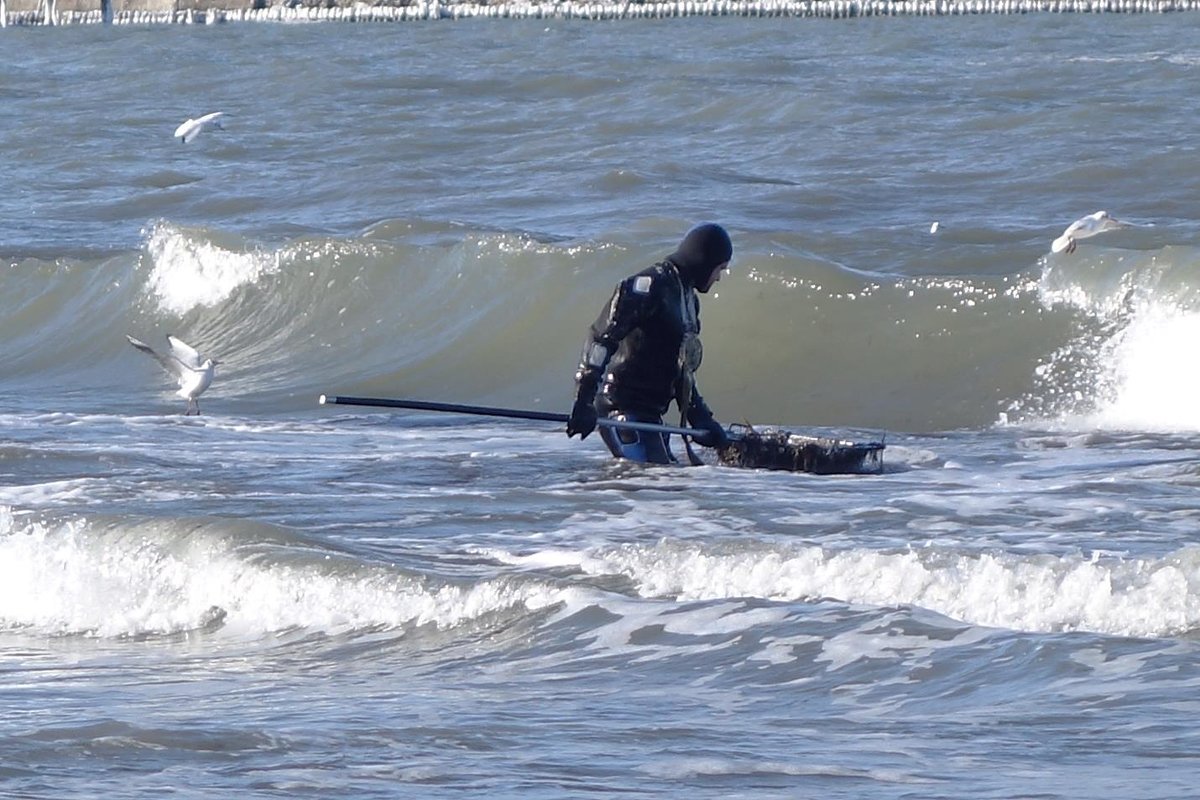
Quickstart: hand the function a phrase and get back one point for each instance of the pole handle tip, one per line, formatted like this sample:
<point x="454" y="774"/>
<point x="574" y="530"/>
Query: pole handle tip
<point x="321" y="400"/>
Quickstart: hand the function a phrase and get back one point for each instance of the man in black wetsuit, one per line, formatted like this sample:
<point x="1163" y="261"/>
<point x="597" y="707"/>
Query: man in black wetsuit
<point x="645" y="348"/>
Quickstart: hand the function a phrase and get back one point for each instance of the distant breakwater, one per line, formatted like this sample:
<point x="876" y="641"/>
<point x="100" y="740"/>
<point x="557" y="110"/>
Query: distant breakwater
<point x="207" y="12"/>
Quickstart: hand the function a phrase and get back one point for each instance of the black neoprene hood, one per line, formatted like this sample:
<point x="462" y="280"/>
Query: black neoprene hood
<point x="704" y="248"/>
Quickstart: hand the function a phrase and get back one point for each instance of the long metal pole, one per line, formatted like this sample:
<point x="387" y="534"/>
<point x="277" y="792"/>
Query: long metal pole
<point x="492" y="411"/>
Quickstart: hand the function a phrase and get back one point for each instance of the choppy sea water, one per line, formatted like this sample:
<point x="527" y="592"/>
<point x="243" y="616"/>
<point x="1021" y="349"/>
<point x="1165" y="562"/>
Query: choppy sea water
<point x="278" y="598"/>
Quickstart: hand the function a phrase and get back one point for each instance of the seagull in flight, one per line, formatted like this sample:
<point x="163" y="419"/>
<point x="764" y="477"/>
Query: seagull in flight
<point x="191" y="128"/>
<point x="1084" y="227"/>
<point x="193" y="371"/>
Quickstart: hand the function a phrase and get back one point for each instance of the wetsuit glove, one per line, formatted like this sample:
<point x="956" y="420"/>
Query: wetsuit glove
<point x="713" y="434"/>
<point x="583" y="418"/>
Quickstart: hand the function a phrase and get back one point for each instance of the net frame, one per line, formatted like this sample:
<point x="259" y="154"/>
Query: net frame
<point x="775" y="449"/>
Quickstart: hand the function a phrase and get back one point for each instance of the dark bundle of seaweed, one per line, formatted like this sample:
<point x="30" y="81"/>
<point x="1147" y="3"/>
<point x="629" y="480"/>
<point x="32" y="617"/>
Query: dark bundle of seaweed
<point x="775" y="449"/>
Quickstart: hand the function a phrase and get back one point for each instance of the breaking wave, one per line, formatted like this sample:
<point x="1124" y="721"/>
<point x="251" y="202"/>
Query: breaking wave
<point x="437" y="311"/>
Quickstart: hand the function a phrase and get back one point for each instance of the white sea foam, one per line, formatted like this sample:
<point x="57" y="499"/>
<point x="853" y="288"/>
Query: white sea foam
<point x="878" y="642"/>
<point x="188" y="272"/>
<point x="1154" y="385"/>
<point x="67" y="578"/>
<point x="1133" y="372"/>
<point x="1041" y="593"/>
<point x="51" y="493"/>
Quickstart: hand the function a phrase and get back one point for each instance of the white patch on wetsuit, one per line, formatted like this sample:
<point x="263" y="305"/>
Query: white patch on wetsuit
<point x="641" y="284"/>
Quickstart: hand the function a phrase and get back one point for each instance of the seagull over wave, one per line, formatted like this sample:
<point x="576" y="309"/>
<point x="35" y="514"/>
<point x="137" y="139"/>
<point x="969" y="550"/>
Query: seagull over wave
<point x="191" y="128"/>
<point x="1084" y="227"/>
<point x="193" y="371"/>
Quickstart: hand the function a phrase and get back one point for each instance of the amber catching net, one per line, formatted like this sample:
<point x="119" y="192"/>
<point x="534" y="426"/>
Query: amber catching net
<point x="765" y="448"/>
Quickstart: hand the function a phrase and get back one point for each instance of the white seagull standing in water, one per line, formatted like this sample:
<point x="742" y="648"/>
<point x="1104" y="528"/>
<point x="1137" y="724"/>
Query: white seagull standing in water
<point x="191" y="128"/>
<point x="194" y="372"/>
<point x="1084" y="227"/>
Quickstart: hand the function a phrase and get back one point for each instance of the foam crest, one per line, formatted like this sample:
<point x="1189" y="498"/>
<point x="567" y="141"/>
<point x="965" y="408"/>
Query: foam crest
<point x="158" y="578"/>
<point x="1154" y="386"/>
<point x="1131" y="597"/>
<point x="189" y="272"/>
<point x="1124" y="369"/>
